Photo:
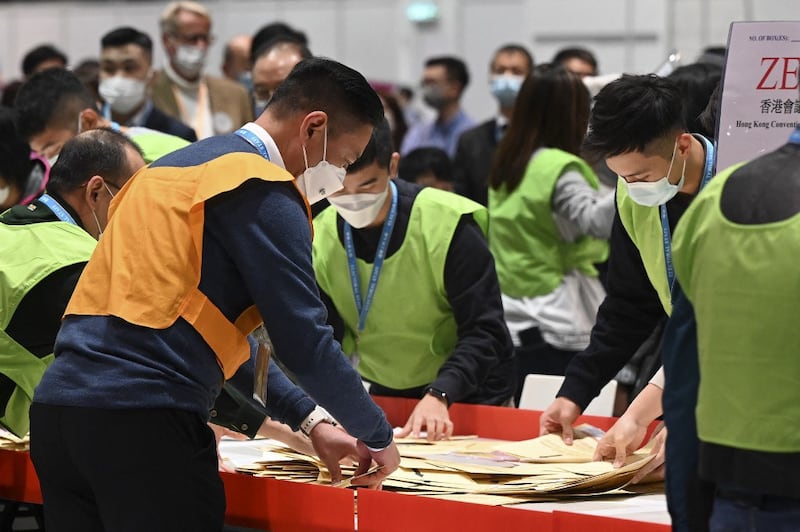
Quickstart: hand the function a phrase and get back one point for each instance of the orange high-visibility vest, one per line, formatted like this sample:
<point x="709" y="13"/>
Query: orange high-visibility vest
<point x="146" y="268"/>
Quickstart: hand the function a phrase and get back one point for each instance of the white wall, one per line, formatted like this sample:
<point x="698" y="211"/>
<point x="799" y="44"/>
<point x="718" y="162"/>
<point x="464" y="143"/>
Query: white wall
<point x="375" y="37"/>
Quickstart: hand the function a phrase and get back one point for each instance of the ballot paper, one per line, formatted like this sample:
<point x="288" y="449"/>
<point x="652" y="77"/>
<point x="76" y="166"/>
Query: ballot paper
<point x="473" y="469"/>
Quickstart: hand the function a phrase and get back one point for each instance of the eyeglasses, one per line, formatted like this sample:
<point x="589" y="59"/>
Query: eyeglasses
<point x="195" y="39"/>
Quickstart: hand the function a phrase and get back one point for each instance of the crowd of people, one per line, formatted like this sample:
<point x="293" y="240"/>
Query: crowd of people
<point x="184" y="255"/>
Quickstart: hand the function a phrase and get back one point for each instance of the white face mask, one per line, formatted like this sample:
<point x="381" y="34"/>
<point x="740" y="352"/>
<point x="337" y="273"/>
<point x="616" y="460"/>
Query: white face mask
<point x="322" y="179"/>
<point x="359" y="210"/>
<point x="5" y="192"/>
<point x="123" y="94"/>
<point x="653" y="193"/>
<point x="190" y="59"/>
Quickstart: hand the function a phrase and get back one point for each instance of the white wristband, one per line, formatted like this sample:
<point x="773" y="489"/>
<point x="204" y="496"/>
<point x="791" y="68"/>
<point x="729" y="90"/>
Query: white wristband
<point x="317" y="416"/>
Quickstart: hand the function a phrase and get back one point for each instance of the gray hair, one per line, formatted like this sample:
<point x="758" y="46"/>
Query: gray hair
<point x="169" y="18"/>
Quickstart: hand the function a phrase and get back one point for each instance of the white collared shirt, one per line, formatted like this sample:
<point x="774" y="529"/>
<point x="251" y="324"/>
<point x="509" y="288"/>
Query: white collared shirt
<point x="269" y="143"/>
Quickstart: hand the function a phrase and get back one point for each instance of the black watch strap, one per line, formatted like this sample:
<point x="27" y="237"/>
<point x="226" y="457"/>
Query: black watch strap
<point x="437" y="393"/>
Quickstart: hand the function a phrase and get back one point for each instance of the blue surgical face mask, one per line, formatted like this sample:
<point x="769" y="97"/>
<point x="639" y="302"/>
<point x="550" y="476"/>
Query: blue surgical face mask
<point x="654" y="193"/>
<point x="505" y="89"/>
<point x="246" y="79"/>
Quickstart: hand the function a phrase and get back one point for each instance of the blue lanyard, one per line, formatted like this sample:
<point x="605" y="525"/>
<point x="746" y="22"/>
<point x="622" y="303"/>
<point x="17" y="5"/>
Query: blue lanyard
<point x="380" y="255"/>
<point x="254" y="141"/>
<point x="107" y="115"/>
<point x="57" y="209"/>
<point x="795" y="137"/>
<point x="665" y="231"/>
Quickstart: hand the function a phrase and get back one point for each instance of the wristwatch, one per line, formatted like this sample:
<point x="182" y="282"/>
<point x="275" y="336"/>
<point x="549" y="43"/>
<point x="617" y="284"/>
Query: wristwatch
<point x="439" y="394"/>
<point x="317" y="416"/>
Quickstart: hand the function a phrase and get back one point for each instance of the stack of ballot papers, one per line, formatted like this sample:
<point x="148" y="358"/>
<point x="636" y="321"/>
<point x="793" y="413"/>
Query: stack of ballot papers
<point x="13" y="443"/>
<point x="471" y="469"/>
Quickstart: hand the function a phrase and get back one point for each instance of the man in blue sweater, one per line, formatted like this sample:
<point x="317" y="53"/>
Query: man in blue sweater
<point x="201" y="247"/>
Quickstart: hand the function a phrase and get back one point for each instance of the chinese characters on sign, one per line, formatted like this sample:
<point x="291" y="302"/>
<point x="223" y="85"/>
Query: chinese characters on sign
<point x="760" y="102"/>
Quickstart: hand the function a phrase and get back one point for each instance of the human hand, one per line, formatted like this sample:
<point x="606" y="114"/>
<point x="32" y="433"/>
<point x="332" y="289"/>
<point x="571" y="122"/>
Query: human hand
<point x="284" y="434"/>
<point x="559" y="417"/>
<point x="654" y="470"/>
<point x="219" y="432"/>
<point x="332" y="444"/>
<point x="432" y="413"/>
<point x="621" y="440"/>
<point x="387" y="459"/>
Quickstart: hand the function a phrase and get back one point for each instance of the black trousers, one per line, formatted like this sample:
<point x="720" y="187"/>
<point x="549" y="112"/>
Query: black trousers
<point x="138" y="470"/>
<point x="537" y="356"/>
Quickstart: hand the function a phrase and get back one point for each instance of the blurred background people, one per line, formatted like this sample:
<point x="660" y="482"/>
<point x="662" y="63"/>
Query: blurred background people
<point x="443" y="83"/>
<point x="208" y="104"/>
<point x="511" y="64"/>
<point x="549" y="224"/>
<point x="577" y="60"/>
<point x="427" y="167"/>
<point x="236" y="60"/>
<point x="125" y="80"/>
<point x="41" y="58"/>
<point x="23" y="173"/>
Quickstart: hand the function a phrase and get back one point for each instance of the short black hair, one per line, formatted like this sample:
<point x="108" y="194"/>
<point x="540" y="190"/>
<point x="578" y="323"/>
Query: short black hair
<point x="513" y="48"/>
<point x="96" y="152"/>
<point x="50" y="98"/>
<point x="15" y="161"/>
<point x="39" y="55"/>
<point x="708" y="118"/>
<point x="630" y="113"/>
<point x="320" y="84"/>
<point x="127" y="35"/>
<point x="271" y="31"/>
<point x="696" y="82"/>
<point x="280" y="41"/>
<point x="424" y="160"/>
<point x="455" y="67"/>
<point x="379" y="149"/>
<point x="10" y="93"/>
<point x="575" y="52"/>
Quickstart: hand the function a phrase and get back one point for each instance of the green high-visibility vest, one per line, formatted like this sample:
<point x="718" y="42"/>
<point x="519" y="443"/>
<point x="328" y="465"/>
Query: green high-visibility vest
<point x="643" y="225"/>
<point x="410" y="330"/>
<point x="155" y="144"/>
<point x="744" y="285"/>
<point x="531" y="256"/>
<point x="28" y="254"/>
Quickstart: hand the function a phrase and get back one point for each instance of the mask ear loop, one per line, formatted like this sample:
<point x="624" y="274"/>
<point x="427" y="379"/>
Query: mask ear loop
<point x="672" y="160"/>
<point x="325" y="145"/>
<point x="99" y="231"/>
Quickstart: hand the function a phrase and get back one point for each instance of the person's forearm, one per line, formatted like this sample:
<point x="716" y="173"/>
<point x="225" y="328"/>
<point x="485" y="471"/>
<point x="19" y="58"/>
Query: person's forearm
<point x="589" y="210"/>
<point x="647" y="406"/>
<point x="473" y="293"/>
<point x="265" y="233"/>
<point x="627" y="316"/>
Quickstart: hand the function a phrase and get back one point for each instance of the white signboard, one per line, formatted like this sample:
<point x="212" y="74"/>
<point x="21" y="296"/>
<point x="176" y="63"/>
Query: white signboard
<point x="760" y="104"/>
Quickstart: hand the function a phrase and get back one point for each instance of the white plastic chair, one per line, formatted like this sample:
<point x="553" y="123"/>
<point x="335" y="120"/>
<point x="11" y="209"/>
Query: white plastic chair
<point x="540" y="390"/>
